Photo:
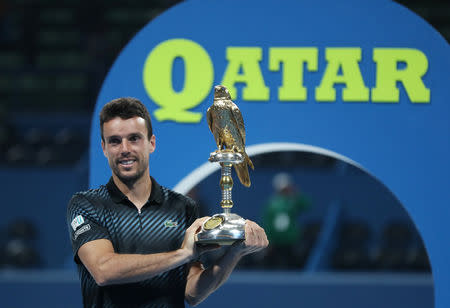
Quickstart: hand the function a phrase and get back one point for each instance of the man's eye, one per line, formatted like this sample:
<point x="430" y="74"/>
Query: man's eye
<point x="134" y="138"/>
<point x="114" y="141"/>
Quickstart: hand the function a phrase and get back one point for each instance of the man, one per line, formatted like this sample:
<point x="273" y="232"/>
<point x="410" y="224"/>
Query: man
<point x="133" y="240"/>
<point x="280" y="220"/>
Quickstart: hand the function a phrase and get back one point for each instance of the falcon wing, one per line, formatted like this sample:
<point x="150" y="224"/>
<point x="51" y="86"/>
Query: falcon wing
<point x="209" y="119"/>
<point x="239" y="122"/>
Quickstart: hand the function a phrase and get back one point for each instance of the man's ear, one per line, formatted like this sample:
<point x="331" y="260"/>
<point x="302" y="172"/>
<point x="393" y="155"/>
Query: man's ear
<point x="152" y="144"/>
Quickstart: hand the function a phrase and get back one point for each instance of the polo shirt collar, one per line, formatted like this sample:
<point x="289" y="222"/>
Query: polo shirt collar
<point x="118" y="196"/>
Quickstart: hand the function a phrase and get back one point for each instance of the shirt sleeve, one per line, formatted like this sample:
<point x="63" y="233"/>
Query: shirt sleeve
<point x="84" y="223"/>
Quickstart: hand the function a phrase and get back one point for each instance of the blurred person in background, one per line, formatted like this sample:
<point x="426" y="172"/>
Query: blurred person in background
<point x="133" y="240"/>
<point x="280" y="220"/>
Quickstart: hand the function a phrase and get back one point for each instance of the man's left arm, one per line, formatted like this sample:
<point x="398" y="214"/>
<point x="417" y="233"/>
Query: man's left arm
<point x="202" y="282"/>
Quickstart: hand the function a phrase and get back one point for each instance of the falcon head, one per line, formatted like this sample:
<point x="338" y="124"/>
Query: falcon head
<point x="221" y="92"/>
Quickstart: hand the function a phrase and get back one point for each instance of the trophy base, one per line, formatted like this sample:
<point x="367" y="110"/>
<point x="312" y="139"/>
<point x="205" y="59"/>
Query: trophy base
<point x="222" y="229"/>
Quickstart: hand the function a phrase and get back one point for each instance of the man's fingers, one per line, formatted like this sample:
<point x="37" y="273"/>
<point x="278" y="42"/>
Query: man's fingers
<point x="201" y="220"/>
<point x="258" y="234"/>
<point x="249" y="233"/>
<point x="255" y="237"/>
<point x="262" y="237"/>
<point x="197" y="224"/>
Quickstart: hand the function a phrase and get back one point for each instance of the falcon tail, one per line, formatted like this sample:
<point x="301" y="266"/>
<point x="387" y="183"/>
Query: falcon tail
<point x="242" y="170"/>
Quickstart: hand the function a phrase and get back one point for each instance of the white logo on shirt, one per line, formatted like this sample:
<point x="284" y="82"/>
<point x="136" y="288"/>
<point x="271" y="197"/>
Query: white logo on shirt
<point x="76" y="222"/>
<point x="169" y="223"/>
<point x="81" y="231"/>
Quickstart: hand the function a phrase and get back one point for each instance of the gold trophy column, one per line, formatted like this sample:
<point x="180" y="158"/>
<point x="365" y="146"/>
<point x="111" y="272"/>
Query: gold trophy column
<point x="224" y="228"/>
<point x="226" y="183"/>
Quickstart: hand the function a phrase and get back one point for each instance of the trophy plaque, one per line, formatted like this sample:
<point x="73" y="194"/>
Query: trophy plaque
<point x="226" y="123"/>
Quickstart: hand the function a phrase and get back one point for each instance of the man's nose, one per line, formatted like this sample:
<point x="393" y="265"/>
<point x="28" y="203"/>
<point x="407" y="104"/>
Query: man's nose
<point x="125" y="147"/>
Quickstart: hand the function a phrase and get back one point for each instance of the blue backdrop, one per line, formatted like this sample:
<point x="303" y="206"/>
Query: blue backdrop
<point x="365" y="51"/>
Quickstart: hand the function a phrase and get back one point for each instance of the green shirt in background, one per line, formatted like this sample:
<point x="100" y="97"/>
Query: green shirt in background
<point x="280" y="218"/>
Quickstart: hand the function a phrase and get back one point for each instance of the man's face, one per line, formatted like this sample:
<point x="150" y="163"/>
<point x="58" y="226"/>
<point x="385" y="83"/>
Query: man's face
<point x="127" y="148"/>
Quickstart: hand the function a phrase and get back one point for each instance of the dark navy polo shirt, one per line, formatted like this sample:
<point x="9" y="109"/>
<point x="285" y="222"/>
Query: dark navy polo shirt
<point x="106" y="213"/>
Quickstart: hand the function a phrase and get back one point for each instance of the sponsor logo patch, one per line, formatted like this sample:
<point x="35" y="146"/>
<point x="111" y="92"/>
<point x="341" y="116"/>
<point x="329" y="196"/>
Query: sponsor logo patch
<point x="170" y="223"/>
<point x="76" y="222"/>
<point x="81" y="231"/>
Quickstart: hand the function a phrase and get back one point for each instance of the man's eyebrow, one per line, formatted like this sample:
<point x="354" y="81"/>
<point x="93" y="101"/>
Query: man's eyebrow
<point x="135" y="134"/>
<point x="127" y="136"/>
<point x="113" y="136"/>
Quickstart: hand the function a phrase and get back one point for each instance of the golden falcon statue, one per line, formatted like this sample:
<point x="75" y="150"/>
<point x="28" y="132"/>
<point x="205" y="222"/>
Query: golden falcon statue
<point x="227" y="125"/>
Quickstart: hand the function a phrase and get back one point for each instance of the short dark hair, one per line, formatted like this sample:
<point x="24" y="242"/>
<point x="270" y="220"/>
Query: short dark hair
<point x="125" y="108"/>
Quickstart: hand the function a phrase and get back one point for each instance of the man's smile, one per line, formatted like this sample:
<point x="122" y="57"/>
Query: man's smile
<point x="127" y="162"/>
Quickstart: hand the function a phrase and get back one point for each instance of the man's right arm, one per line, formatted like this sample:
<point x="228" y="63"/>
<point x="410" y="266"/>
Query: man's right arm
<point x="108" y="267"/>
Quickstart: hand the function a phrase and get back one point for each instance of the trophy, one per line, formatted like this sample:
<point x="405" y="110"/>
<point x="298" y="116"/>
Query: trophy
<point x="227" y="125"/>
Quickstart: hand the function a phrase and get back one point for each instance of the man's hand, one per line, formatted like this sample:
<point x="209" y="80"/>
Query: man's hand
<point x="202" y="282"/>
<point x="255" y="240"/>
<point x="189" y="240"/>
